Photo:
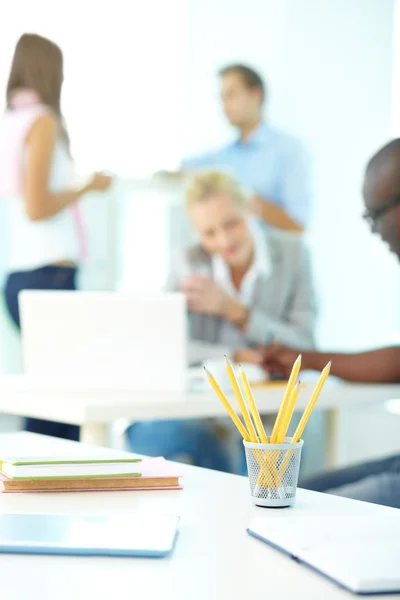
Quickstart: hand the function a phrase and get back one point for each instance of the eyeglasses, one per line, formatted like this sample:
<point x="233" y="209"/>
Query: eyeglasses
<point x="372" y="215"/>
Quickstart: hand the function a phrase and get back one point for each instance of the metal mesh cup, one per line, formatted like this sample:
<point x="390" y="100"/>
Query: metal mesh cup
<point x="273" y="472"/>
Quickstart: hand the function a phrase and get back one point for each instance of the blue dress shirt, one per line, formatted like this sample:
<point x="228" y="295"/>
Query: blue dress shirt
<point x="271" y="163"/>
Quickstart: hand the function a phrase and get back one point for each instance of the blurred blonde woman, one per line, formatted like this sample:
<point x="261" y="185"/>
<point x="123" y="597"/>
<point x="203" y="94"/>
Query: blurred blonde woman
<point x="245" y="287"/>
<point x="37" y="189"/>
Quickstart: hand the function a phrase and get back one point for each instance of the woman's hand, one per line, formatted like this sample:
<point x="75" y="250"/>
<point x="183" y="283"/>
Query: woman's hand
<point x="100" y="182"/>
<point x="204" y="295"/>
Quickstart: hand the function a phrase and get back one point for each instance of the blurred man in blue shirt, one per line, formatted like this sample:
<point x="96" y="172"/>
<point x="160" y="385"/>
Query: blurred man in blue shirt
<point x="271" y="163"/>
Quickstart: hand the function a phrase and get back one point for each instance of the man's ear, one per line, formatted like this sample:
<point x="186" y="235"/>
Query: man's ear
<point x="259" y="95"/>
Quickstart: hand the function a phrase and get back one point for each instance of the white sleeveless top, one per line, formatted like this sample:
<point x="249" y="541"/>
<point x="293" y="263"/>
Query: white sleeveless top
<point x="34" y="244"/>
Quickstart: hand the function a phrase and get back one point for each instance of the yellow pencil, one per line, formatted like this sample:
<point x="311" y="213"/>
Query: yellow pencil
<point x="288" y="414"/>
<point x="240" y="401"/>
<point x="253" y="407"/>
<point x="306" y="415"/>
<point x="286" y="417"/>
<point x="314" y="397"/>
<point x="228" y="407"/>
<point x="286" y="398"/>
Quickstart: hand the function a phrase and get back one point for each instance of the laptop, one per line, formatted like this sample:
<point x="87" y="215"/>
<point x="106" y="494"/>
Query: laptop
<point x="138" y="340"/>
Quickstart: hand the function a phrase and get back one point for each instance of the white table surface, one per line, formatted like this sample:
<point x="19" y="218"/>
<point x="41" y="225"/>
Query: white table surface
<point x="85" y="401"/>
<point x="95" y="405"/>
<point x="214" y="559"/>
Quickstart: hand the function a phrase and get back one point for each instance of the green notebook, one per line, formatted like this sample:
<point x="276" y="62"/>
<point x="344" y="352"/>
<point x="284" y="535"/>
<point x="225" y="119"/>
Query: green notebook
<point x="23" y="467"/>
<point x="24" y="455"/>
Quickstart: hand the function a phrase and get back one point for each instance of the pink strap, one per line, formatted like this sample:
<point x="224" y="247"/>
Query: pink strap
<point x="24" y="97"/>
<point x="80" y="229"/>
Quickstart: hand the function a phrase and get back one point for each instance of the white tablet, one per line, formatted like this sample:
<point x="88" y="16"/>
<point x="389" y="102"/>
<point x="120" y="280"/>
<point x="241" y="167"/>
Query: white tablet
<point x="142" y="535"/>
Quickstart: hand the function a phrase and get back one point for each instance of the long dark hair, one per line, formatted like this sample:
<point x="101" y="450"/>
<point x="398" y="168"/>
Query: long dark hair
<point x="38" y="65"/>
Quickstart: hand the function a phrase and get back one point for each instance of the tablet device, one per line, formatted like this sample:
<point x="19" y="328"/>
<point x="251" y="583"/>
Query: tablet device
<point x="142" y="535"/>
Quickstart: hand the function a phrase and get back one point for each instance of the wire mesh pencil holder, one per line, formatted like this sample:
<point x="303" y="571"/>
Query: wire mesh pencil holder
<point x="273" y="471"/>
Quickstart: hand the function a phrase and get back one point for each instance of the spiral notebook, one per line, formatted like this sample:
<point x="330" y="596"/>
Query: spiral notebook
<point x="360" y="553"/>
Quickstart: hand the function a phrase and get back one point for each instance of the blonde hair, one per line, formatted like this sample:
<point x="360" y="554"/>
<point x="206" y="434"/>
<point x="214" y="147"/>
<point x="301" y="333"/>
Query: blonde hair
<point x="207" y="183"/>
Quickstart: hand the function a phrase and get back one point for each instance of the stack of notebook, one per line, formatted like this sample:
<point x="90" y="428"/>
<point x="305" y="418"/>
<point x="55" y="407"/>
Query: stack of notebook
<point x="98" y="469"/>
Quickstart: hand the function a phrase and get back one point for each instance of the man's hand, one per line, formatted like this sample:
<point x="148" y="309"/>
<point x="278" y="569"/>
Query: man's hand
<point x="204" y="295"/>
<point x="248" y="355"/>
<point x="278" y="360"/>
<point x="256" y="206"/>
<point x="273" y="214"/>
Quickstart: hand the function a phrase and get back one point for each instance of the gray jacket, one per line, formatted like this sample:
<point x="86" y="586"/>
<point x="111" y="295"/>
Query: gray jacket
<point x="283" y="306"/>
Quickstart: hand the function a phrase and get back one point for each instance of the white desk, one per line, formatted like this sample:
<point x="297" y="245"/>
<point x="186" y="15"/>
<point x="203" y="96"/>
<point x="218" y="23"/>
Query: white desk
<point x="95" y="405"/>
<point x="214" y="559"/>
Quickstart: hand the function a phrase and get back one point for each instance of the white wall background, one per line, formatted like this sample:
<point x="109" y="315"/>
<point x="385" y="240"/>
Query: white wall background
<point x="140" y="94"/>
<point x="123" y="76"/>
<point x="122" y="99"/>
<point x="140" y="91"/>
<point x="396" y="73"/>
<point x="329" y="66"/>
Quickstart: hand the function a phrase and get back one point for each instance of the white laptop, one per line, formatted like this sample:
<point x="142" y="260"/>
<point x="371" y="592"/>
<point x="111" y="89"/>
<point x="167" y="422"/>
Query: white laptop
<point x="138" y="340"/>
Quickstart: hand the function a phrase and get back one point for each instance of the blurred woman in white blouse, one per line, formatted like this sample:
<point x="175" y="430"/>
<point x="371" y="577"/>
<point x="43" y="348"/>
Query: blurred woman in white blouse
<point x="245" y="286"/>
<point x="45" y="229"/>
